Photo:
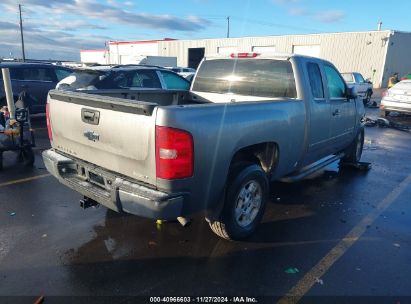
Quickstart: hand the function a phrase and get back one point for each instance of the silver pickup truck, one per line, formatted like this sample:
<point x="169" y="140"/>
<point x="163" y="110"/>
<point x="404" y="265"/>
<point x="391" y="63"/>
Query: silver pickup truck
<point x="248" y="119"/>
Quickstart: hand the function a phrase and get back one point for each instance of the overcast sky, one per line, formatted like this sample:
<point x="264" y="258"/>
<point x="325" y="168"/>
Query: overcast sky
<point x="59" y="29"/>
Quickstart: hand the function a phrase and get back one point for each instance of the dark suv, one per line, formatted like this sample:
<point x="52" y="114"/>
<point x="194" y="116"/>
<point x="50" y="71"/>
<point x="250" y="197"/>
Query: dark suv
<point x="34" y="78"/>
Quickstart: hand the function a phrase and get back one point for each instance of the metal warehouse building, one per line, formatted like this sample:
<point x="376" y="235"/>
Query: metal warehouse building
<point x="375" y="54"/>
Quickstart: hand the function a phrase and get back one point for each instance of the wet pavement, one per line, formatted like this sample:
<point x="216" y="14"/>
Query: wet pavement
<point x="49" y="246"/>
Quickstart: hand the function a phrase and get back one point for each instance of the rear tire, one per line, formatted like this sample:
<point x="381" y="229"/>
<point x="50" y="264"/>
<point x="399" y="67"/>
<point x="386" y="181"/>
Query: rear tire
<point x="354" y="151"/>
<point x="244" y="205"/>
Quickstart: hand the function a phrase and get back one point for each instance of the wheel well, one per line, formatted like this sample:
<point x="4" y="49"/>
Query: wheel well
<point x="263" y="154"/>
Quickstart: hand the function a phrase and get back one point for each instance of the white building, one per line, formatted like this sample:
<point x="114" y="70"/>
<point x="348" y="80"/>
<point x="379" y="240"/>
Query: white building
<point x="375" y="54"/>
<point x="122" y="52"/>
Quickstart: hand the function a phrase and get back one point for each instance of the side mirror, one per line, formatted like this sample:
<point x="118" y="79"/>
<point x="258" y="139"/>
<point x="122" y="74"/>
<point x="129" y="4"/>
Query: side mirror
<point x="351" y="93"/>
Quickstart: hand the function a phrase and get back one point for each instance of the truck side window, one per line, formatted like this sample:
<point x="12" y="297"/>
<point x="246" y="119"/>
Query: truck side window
<point x="359" y="78"/>
<point x="316" y="82"/>
<point x="336" y="85"/>
<point x="175" y="82"/>
<point x="61" y="73"/>
<point x="37" y="74"/>
<point x="145" y="79"/>
<point x="15" y="74"/>
<point x="348" y="77"/>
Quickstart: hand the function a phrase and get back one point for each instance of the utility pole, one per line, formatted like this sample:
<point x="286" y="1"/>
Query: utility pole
<point x="21" y="34"/>
<point x="228" y="27"/>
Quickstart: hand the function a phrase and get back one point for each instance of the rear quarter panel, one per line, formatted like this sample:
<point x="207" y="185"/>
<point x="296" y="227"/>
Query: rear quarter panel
<point x="220" y="130"/>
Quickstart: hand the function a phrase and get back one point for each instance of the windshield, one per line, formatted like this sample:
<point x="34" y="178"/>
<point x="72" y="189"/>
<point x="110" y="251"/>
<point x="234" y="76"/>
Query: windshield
<point x="251" y="77"/>
<point x="80" y="79"/>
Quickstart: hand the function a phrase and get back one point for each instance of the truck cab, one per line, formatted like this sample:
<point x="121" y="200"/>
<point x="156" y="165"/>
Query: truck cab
<point x="362" y="86"/>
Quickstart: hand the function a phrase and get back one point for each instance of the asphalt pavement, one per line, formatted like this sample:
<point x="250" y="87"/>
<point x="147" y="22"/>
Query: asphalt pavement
<point x="340" y="236"/>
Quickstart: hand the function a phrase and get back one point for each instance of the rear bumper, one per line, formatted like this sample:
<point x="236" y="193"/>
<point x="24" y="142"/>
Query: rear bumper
<point x="111" y="190"/>
<point x="388" y="105"/>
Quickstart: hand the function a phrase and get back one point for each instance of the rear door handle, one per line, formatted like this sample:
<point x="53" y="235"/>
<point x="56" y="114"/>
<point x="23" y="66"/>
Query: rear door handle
<point x="336" y="112"/>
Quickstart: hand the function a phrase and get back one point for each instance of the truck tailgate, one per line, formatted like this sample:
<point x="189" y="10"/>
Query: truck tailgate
<point x="113" y="133"/>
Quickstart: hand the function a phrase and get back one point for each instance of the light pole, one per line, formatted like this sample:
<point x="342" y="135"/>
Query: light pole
<point x="228" y="27"/>
<point x="21" y="34"/>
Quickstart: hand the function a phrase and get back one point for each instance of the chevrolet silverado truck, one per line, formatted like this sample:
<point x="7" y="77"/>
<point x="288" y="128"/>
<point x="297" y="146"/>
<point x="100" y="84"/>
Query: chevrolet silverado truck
<point x="247" y="120"/>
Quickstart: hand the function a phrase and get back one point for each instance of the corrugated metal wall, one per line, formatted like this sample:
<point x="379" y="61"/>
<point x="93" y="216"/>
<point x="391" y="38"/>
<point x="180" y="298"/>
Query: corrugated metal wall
<point x="398" y="55"/>
<point x="362" y="52"/>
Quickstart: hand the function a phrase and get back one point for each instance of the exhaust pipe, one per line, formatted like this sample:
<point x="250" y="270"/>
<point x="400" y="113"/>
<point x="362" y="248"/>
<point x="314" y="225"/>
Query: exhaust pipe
<point x="87" y="202"/>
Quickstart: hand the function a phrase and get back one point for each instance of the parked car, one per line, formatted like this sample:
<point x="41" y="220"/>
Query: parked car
<point x="34" y="78"/>
<point x="363" y="87"/>
<point x="123" y="77"/>
<point x="248" y="119"/>
<point x="397" y="99"/>
<point x="185" y="72"/>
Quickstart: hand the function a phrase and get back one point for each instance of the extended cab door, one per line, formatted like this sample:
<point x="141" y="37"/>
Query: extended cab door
<point x="319" y="126"/>
<point x="343" y="110"/>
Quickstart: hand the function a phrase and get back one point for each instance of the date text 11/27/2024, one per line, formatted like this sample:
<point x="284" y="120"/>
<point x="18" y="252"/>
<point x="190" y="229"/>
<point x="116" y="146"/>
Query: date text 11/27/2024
<point x="203" y="300"/>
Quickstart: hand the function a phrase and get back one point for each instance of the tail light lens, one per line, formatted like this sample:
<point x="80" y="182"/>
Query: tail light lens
<point x="174" y="153"/>
<point x="50" y="133"/>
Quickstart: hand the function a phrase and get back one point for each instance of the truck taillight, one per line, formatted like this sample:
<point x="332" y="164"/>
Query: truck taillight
<point x="174" y="153"/>
<point x="50" y="133"/>
<point x="244" y="55"/>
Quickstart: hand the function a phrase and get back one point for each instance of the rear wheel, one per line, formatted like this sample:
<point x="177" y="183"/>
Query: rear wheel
<point x="354" y="151"/>
<point x="244" y="205"/>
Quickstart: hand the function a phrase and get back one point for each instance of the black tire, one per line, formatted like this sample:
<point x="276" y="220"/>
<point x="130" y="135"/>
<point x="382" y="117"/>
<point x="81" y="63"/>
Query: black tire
<point x="354" y="151"/>
<point x="250" y="182"/>
<point x="1" y="161"/>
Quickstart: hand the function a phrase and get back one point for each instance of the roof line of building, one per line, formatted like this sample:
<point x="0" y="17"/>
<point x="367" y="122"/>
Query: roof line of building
<point x="98" y="50"/>
<point x="311" y="34"/>
<point x="140" y="41"/>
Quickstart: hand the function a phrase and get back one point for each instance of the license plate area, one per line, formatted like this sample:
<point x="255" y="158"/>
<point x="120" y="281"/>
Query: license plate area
<point x="96" y="179"/>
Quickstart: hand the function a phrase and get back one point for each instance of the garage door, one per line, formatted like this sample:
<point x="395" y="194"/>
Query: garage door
<point x="308" y="50"/>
